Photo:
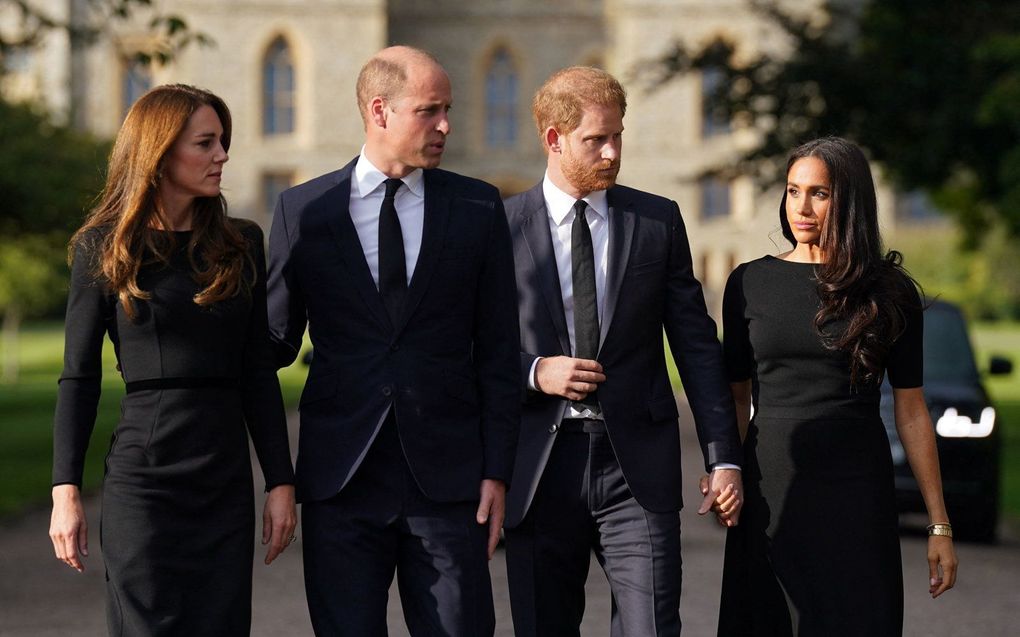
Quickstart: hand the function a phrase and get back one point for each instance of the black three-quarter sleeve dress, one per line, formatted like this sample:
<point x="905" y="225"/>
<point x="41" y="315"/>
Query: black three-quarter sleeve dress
<point x="816" y="553"/>
<point x="178" y="505"/>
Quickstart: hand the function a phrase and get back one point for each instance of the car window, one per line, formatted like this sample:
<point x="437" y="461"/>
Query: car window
<point x="947" y="352"/>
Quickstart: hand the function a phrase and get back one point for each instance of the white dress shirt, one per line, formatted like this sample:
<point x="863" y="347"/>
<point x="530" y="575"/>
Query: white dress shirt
<point x="367" y="192"/>
<point x="560" y="208"/>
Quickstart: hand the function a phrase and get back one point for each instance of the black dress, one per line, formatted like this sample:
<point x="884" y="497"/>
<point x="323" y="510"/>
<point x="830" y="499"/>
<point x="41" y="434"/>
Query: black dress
<point x="816" y="553"/>
<point x="177" y="527"/>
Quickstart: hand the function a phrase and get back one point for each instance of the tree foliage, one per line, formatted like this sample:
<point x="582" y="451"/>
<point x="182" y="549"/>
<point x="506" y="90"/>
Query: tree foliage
<point x="48" y="175"/>
<point x="931" y="90"/>
<point x="92" y="20"/>
<point x="49" y="172"/>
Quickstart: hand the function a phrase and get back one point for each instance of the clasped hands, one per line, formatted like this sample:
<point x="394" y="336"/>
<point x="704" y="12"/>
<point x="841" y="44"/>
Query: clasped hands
<point x="723" y="495"/>
<point x="575" y="378"/>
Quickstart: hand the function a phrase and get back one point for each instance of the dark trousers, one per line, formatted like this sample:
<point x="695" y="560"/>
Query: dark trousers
<point x="380" y="523"/>
<point x="583" y="504"/>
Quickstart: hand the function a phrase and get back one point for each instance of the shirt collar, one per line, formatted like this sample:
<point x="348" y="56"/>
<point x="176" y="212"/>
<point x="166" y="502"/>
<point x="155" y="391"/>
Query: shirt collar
<point x="560" y="205"/>
<point x="368" y="178"/>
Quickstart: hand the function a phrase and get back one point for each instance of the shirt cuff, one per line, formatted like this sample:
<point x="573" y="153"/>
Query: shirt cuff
<point x="532" y="385"/>
<point x="724" y="465"/>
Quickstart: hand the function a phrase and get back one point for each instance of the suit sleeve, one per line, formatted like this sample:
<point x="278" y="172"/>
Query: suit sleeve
<point x="287" y="313"/>
<point x="264" y="412"/>
<point x="497" y="350"/>
<point x="697" y="353"/>
<point x="89" y="314"/>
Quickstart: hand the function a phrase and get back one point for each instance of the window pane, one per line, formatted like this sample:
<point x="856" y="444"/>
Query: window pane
<point x="713" y="122"/>
<point x="272" y="185"/>
<point x="501" y="101"/>
<point x="135" y="81"/>
<point x="715" y="197"/>
<point x="278" y="90"/>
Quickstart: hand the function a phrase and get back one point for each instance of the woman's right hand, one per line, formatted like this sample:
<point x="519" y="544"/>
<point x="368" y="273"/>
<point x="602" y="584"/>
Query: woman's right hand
<point x="68" y="529"/>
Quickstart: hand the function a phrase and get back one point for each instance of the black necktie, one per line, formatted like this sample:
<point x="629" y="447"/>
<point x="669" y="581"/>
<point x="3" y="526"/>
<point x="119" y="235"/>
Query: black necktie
<point x="392" y="269"/>
<point x="586" y="313"/>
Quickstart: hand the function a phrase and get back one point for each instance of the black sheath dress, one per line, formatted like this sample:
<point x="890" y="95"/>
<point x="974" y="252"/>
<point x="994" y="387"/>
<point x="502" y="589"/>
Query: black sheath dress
<point x="816" y="553"/>
<point x="178" y="518"/>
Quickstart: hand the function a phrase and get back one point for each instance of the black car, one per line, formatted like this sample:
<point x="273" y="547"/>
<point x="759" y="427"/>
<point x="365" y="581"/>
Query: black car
<point x="968" y="433"/>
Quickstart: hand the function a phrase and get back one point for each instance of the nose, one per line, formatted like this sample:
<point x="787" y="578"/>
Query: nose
<point x="443" y="126"/>
<point x="805" y="206"/>
<point x="611" y="151"/>
<point x="221" y="157"/>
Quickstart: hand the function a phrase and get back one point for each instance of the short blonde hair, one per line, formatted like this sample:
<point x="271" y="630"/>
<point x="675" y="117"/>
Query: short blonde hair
<point x="560" y="102"/>
<point x="385" y="74"/>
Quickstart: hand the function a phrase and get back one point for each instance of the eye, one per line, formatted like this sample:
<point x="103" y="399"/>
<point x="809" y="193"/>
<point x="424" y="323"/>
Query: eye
<point x="821" y="194"/>
<point x="791" y="191"/>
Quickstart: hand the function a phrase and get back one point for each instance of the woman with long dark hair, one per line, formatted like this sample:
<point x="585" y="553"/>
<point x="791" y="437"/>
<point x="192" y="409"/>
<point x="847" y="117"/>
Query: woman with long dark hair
<point x="808" y="338"/>
<point x="180" y="289"/>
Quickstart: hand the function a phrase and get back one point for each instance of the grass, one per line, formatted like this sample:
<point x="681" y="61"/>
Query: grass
<point x="26" y="413"/>
<point x="1003" y="339"/>
<point x="26" y="418"/>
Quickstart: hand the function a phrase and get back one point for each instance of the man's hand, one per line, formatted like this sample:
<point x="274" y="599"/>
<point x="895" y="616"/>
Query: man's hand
<point x="723" y="491"/>
<point x="492" y="509"/>
<point x="571" y="378"/>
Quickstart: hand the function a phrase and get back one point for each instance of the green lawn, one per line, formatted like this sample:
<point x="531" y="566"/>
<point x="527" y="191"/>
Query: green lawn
<point x="26" y="418"/>
<point x="1004" y="340"/>
<point x="26" y="413"/>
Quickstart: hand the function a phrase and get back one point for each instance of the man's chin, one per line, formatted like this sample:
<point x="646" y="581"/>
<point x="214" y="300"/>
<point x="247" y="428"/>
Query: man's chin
<point x="431" y="160"/>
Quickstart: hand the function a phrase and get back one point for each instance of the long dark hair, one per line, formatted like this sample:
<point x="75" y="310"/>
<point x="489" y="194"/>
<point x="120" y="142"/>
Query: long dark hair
<point x="858" y="283"/>
<point x="129" y="203"/>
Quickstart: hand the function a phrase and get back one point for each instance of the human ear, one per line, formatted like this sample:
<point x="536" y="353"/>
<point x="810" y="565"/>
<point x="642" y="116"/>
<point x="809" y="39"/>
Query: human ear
<point x="377" y="111"/>
<point x="552" y="139"/>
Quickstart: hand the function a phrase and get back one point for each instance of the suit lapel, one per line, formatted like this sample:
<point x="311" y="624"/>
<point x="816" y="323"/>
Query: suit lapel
<point x="535" y="229"/>
<point x="621" y="233"/>
<point x="437" y="217"/>
<point x="351" y="250"/>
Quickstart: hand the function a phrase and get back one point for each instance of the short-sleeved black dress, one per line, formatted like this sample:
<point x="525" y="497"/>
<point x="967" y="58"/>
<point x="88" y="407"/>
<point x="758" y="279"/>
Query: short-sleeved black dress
<point x="177" y="527"/>
<point x="816" y="553"/>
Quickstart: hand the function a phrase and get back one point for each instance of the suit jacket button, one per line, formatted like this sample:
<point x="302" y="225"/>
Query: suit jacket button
<point x="553" y="428"/>
<point x="387" y="391"/>
<point x="394" y="347"/>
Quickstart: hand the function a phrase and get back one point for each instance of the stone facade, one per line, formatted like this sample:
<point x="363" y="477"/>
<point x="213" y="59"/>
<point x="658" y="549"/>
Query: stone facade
<point x="497" y="53"/>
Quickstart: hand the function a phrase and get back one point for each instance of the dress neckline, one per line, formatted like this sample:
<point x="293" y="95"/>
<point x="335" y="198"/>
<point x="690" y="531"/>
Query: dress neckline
<point x="774" y="258"/>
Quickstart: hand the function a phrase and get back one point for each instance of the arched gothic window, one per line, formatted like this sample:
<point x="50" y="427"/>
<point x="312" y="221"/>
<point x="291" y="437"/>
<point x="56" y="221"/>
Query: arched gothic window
<point x="278" y="89"/>
<point x="501" y="101"/>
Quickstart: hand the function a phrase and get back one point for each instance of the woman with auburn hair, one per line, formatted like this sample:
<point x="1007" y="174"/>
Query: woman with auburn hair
<point x="808" y="337"/>
<point x="181" y="291"/>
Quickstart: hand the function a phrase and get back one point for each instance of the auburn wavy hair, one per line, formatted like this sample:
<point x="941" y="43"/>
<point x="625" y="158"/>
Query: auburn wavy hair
<point x="129" y="214"/>
<point x="859" y="282"/>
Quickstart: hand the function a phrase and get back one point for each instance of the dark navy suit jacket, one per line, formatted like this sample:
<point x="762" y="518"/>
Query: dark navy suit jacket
<point x="448" y="367"/>
<point x="650" y="288"/>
